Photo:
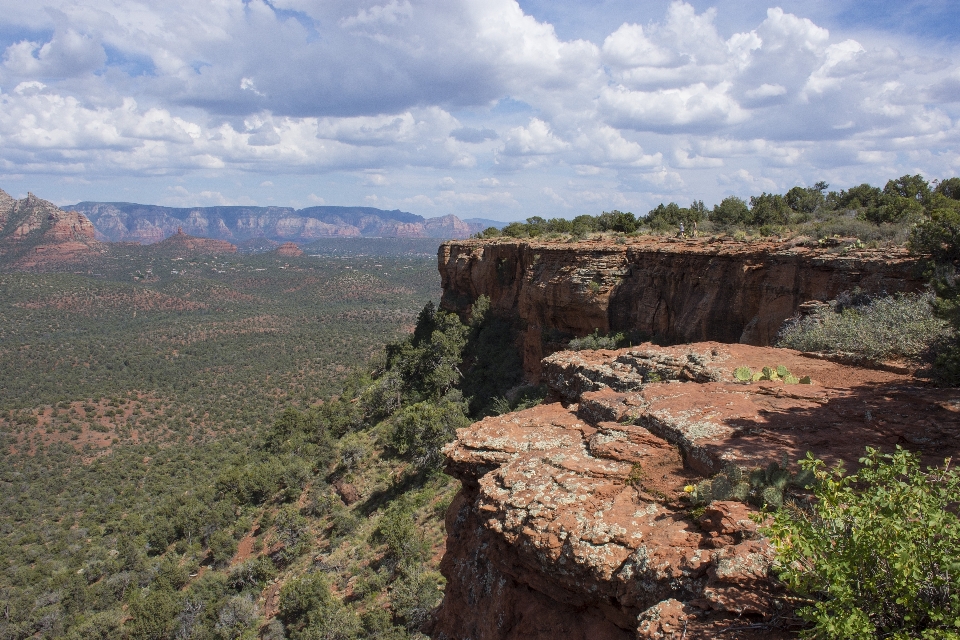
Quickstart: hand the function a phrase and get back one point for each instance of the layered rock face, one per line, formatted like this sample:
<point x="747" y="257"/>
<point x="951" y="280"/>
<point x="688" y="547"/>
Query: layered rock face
<point x="676" y="290"/>
<point x="36" y="233"/>
<point x="572" y="520"/>
<point x="181" y="244"/>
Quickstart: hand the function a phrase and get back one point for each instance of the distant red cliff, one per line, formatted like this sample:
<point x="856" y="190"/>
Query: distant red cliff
<point x="35" y="233"/>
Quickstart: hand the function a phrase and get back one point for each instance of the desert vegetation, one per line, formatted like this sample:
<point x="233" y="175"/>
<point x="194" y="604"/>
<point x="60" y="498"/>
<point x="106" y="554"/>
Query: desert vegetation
<point x="870" y="214"/>
<point x="173" y="435"/>
<point x="902" y="327"/>
<point x="191" y="450"/>
<point x="873" y="554"/>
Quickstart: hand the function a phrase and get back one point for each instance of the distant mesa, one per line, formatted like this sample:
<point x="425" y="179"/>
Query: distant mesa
<point x="35" y="233"/>
<point x="181" y="244"/>
<point x="147" y="224"/>
<point x="289" y="250"/>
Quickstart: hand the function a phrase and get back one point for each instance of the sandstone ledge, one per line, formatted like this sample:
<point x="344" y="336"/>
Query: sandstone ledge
<point x="572" y="522"/>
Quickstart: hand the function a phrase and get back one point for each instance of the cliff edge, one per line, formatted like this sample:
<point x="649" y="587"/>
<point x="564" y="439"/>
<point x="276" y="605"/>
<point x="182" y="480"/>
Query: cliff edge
<point x="672" y="289"/>
<point x="572" y="521"/>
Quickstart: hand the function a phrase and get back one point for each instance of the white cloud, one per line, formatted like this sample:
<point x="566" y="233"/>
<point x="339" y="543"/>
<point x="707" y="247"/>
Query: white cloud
<point x="534" y="139"/>
<point x="181" y="197"/>
<point x="66" y="55"/>
<point x="766" y="91"/>
<point x="697" y="104"/>
<point x="424" y="91"/>
<point x="553" y="196"/>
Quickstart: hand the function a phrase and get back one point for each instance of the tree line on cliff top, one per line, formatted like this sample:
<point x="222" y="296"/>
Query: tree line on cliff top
<point x="902" y="202"/>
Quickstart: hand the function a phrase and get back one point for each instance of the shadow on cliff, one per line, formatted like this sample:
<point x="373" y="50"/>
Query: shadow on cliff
<point x="923" y="419"/>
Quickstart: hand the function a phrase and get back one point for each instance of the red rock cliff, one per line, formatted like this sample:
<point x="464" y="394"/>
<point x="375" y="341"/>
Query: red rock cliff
<point x="35" y="233"/>
<point x="677" y="290"/>
<point x="572" y="520"/>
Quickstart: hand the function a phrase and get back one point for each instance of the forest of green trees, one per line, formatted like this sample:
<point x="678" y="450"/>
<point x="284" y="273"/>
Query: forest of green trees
<point x="161" y="419"/>
<point x="864" y="211"/>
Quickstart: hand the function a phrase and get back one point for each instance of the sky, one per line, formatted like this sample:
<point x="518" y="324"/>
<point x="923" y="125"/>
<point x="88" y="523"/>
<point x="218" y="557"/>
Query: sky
<point x="479" y="108"/>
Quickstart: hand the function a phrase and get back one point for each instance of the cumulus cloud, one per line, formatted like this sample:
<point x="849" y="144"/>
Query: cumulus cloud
<point x="427" y="91"/>
<point x="180" y="196"/>
<point x="67" y="54"/>
<point x="533" y="139"/>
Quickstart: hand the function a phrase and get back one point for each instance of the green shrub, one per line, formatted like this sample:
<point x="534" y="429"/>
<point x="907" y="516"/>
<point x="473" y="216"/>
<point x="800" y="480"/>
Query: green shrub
<point x="899" y="326"/>
<point x="420" y="430"/>
<point x="251" y="574"/>
<point x="293" y="532"/>
<point x="304" y="602"/>
<point x="875" y="555"/>
<point x="222" y="547"/>
<point x="397" y="529"/>
<point x="237" y="619"/>
<point x="746" y="375"/>
<point x="597" y="341"/>
<point x="414" y="594"/>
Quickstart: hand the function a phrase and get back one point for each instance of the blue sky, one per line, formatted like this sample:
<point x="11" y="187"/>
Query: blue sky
<point x="474" y="107"/>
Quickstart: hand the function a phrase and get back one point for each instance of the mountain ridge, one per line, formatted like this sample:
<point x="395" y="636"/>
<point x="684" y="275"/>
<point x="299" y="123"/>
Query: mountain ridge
<point x="147" y="224"/>
<point x="35" y="232"/>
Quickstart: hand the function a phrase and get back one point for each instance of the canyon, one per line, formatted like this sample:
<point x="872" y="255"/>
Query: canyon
<point x="575" y="517"/>
<point x="669" y="290"/>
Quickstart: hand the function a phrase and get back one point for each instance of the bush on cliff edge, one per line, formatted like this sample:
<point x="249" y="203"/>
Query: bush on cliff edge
<point x="875" y="555"/>
<point x="902" y="326"/>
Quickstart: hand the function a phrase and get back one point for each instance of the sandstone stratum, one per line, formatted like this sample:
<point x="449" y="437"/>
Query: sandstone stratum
<point x="35" y="233"/>
<point x="572" y="521"/>
<point x="183" y="245"/>
<point x="675" y="290"/>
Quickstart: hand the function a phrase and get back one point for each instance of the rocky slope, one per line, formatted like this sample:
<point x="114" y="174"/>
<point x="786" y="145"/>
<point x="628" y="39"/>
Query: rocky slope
<point x="676" y="290"/>
<point x="35" y="233"/>
<point x="572" y="520"/>
<point x="125" y="221"/>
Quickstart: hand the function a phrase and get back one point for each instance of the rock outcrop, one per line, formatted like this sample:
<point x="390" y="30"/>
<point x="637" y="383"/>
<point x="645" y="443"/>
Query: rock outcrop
<point x="35" y="233"/>
<point x="181" y="244"/>
<point x="572" y="520"/>
<point x="676" y="290"/>
<point x="289" y="250"/>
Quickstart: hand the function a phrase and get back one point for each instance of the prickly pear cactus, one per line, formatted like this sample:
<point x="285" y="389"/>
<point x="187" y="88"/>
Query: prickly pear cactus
<point x="772" y="497"/>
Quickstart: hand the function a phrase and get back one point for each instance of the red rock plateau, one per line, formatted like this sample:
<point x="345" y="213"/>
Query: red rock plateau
<point x="572" y="521"/>
<point x="181" y="244"/>
<point x="289" y="250"/>
<point x="35" y="233"/>
<point x="677" y="290"/>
